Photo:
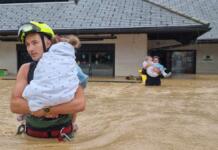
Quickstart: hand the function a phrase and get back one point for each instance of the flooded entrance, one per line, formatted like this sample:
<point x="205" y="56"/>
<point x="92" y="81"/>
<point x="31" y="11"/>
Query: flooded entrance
<point x="179" y="115"/>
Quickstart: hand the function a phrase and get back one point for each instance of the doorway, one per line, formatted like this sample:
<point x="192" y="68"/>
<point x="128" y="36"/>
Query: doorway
<point x="183" y="62"/>
<point x="96" y="59"/>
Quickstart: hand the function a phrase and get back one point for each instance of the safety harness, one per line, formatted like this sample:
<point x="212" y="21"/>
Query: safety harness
<point x="60" y="128"/>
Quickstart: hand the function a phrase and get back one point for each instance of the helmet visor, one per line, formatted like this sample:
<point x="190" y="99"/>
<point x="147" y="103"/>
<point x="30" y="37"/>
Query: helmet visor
<point x="25" y="29"/>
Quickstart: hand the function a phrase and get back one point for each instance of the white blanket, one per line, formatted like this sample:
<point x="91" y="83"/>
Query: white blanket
<point x="55" y="78"/>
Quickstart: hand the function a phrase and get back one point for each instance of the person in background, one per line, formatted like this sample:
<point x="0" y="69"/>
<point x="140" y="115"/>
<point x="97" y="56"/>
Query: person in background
<point x="153" y="69"/>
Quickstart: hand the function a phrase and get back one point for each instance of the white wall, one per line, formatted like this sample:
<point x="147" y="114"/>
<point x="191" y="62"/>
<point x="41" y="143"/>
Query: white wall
<point x="8" y="57"/>
<point x="204" y="65"/>
<point x="130" y="51"/>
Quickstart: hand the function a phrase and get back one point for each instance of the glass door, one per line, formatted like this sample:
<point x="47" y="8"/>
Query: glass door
<point x="102" y="64"/>
<point x="183" y="62"/>
<point x="96" y="59"/>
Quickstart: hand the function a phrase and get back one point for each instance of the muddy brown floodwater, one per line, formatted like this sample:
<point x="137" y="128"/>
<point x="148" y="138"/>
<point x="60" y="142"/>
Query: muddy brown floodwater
<point x="182" y="114"/>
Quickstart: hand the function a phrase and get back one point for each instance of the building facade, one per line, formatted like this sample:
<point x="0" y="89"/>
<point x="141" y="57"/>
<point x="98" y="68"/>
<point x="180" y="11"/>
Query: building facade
<point x="115" y="35"/>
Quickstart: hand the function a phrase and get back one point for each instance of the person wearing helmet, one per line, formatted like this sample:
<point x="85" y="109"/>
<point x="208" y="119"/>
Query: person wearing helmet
<point x="46" y="122"/>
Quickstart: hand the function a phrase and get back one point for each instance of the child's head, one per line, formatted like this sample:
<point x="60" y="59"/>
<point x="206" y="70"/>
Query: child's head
<point x="148" y="58"/>
<point x="72" y="39"/>
<point x="156" y="59"/>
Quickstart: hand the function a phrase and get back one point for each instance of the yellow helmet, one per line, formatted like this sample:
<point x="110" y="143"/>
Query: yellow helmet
<point x="34" y="27"/>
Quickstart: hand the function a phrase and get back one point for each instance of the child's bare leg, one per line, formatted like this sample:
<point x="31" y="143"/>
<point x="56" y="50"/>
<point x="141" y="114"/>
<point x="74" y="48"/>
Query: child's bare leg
<point x="75" y="126"/>
<point x="74" y="118"/>
<point x="166" y="74"/>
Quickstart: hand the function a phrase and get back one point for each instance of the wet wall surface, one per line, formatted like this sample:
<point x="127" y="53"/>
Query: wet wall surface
<point x="179" y="115"/>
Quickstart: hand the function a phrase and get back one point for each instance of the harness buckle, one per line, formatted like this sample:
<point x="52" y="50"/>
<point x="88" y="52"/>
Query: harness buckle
<point x="63" y="136"/>
<point x="21" y="129"/>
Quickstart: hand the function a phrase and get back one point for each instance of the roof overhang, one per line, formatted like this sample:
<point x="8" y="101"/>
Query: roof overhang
<point x="207" y="41"/>
<point x="184" y="34"/>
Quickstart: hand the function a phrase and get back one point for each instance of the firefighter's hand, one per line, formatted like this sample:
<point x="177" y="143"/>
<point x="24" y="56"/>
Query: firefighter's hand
<point x="39" y="113"/>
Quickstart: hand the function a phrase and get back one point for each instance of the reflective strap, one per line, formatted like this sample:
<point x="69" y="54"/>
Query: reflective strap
<point x="52" y="133"/>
